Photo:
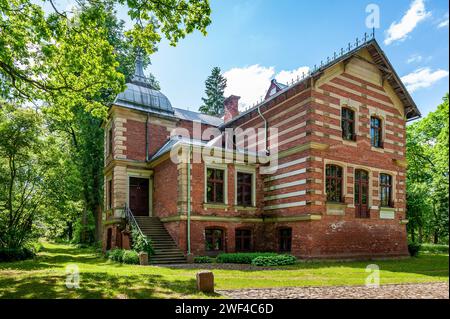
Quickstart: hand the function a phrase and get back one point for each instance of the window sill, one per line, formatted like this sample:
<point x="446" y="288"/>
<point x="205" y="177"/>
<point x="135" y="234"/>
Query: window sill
<point x="215" y="206"/>
<point x="377" y="149"/>
<point x="246" y="208"/>
<point x="349" y="142"/>
<point x="336" y="209"/>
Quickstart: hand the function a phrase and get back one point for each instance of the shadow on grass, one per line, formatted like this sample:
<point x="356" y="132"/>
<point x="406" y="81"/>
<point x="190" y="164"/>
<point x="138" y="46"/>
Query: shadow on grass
<point x="19" y="281"/>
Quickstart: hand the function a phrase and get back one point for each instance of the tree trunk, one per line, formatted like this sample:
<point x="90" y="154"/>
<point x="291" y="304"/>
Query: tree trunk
<point x="98" y="223"/>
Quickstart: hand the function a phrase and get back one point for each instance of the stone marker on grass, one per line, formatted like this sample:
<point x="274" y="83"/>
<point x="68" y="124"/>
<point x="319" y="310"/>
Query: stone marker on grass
<point x="143" y="258"/>
<point x="205" y="281"/>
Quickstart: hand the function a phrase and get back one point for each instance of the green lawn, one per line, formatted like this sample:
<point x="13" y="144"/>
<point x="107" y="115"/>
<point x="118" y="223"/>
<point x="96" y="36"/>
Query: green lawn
<point x="45" y="277"/>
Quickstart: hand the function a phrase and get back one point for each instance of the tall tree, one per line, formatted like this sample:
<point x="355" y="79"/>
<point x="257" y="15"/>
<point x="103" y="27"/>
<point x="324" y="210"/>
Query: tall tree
<point x="215" y="87"/>
<point x="66" y="59"/>
<point x="428" y="175"/>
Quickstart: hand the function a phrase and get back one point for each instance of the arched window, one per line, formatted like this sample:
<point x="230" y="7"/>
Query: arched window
<point x="376" y="132"/>
<point x="348" y="124"/>
<point x="214" y="239"/>
<point x="386" y="190"/>
<point x="284" y="239"/>
<point x="334" y="183"/>
<point x="243" y="238"/>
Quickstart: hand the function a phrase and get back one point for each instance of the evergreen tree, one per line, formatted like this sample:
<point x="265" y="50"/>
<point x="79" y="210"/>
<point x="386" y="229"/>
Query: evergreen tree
<point x="215" y="87"/>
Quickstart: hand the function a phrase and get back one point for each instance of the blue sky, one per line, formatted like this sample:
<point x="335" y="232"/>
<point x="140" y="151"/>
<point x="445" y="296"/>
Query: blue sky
<point x="253" y="41"/>
<point x="289" y="34"/>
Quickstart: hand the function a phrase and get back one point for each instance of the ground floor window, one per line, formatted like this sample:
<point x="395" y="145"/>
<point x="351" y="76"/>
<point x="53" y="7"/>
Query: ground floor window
<point x="243" y="239"/>
<point x="214" y="239"/>
<point x="284" y="239"/>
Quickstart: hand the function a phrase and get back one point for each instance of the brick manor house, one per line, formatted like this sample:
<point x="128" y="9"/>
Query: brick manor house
<point x="338" y="190"/>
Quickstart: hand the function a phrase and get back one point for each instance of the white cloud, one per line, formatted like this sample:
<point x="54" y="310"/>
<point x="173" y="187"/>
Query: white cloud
<point x="286" y="77"/>
<point x="252" y="82"/>
<point x="423" y="78"/>
<point x="398" y="31"/>
<point x="444" y="22"/>
<point x="415" y="58"/>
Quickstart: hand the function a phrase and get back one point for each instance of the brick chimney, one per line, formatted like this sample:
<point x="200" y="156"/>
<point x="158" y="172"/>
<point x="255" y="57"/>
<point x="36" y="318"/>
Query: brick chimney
<point x="231" y="107"/>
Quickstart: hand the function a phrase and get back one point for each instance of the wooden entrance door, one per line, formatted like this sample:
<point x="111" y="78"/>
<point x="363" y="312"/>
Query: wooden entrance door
<point x="362" y="194"/>
<point x="139" y="196"/>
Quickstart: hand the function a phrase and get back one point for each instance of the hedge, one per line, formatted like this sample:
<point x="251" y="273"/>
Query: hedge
<point x="278" y="260"/>
<point x="13" y="254"/>
<point x="434" y="249"/>
<point x="203" y="260"/>
<point x="130" y="257"/>
<point x="241" y="258"/>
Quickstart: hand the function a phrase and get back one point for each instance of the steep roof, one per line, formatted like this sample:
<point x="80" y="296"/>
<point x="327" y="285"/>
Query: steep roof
<point x="380" y="60"/>
<point x="197" y="117"/>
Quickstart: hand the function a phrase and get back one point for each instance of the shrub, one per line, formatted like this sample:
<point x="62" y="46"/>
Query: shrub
<point x="203" y="260"/>
<point x="413" y="249"/>
<point x="277" y="260"/>
<point x="116" y="254"/>
<point x="241" y="258"/>
<point x="140" y="243"/>
<point x="434" y="249"/>
<point x="130" y="257"/>
<point x="13" y="254"/>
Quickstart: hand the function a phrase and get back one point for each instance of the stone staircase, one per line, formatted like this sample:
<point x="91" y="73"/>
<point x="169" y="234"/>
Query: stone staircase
<point x="166" y="250"/>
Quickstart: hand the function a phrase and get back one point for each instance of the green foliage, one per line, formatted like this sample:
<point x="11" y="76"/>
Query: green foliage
<point x="428" y="177"/>
<point x="115" y="254"/>
<point x="241" y="258"/>
<point x="215" y="88"/>
<point x="13" y="254"/>
<point x="203" y="260"/>
<point x="434" y="249"/>
<point x="278" y="260"/>
<point x="130" y="257"/>
<point x="140" y="243"/>
<point x="413" y="249"/>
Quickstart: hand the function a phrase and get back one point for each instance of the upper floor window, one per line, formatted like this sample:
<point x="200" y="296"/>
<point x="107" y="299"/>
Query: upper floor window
<point x="386" y="190"/>
<point x="110" y="193"/>
<point x="348" y="124"/>
<point x="376" y="132"/>
<point x="334" y="183"/>
<point x="243" y="239"/>
<point x="110" y="141"/>
<point x="215" y="185"/>
<point x="214" y="239"/>
<point x="244" y="189"/>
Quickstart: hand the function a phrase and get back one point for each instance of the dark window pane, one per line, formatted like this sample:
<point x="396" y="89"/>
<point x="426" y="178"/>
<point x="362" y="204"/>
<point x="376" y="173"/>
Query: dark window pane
<point x="214" y="239"/>
<point x="334" y="183"/>
<point x="215" y="185"/>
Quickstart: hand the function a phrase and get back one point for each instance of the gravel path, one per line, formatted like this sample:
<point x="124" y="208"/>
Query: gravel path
<point x="439" y="290"/>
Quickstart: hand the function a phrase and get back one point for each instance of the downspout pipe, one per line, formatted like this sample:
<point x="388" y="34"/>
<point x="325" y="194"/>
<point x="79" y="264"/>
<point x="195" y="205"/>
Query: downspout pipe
<point x="189" y="201"/>
<point x="266" y="127"/>
<point x="146" y="139"/>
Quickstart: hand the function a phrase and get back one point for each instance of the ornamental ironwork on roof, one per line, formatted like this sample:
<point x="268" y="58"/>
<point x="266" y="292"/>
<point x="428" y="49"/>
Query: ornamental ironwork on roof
<point x="141" y="95"/>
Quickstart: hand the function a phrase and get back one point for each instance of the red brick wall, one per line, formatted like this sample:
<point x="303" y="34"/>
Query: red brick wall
<point x="165" y="189"/>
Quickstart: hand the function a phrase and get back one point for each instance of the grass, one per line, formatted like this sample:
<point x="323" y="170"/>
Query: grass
<point x="45" y="276"/>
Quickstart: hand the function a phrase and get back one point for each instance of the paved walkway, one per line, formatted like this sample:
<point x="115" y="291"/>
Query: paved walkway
<point x="438" y="290"/>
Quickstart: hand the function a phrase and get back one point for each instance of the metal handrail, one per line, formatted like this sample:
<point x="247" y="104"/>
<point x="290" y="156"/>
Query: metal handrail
<point x="130" y="218"/>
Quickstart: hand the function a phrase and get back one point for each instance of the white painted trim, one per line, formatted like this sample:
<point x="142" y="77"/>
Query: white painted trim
<point x="247" y="170"/>
<point x="285" y="185"/>
<point x="287" y="205"/>
<point x="223" y="167"/>
<point x="287" y="195"/>
<point x="288" y="174"/>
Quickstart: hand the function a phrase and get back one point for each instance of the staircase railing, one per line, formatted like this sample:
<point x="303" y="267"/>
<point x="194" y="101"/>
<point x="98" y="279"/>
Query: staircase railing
<point x="132" y="221"/>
